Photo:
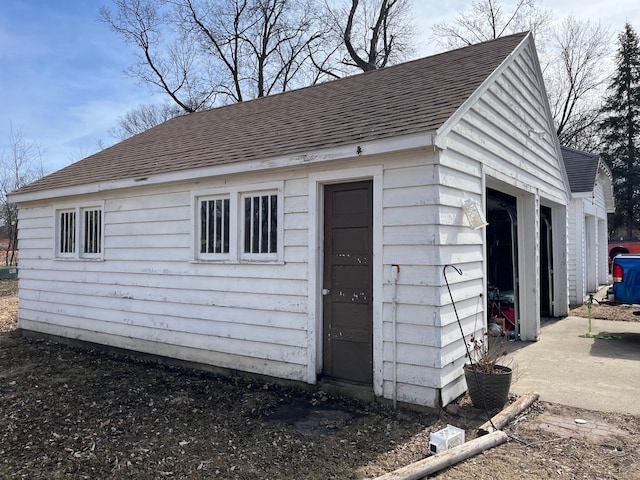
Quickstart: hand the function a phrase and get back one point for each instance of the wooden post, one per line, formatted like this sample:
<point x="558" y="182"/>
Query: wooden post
<point x="429" y="465"/>
<point x="502" y="418"/>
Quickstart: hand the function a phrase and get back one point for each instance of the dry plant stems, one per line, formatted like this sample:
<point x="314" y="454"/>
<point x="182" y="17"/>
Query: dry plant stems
<point x="486" y="351"/>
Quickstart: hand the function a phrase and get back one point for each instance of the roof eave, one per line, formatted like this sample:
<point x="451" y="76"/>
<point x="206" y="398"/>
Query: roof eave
<point x="342" y="152"/>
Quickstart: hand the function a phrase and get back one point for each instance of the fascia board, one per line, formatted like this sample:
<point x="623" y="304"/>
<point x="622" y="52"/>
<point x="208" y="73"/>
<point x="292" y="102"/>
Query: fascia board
<point x="356" y="150"/>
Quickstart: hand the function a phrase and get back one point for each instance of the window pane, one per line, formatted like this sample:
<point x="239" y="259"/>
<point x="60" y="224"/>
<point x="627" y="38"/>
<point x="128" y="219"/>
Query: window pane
<point x="225" y="243"/>
<point x="62" y="232"/>
<point x="264" y="224"/>
<point x="255" y="227"/>
<point x="72" y="231"/>
<point x="98" y="231"/>
<point x="86" y="231"/>
<point x="67" y="232"/>
<point x="214" y="225"/>
<point x="203" y="227"/>
<point x="247" y="225"/>
<point x="273" y="233"/>
<point x="211" y="226"/>
<point x="261" y="224"/>
<point x="218" y="229"/>
<point x="91" y="230"/>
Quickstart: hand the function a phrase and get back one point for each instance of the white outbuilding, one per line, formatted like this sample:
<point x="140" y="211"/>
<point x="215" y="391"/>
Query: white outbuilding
<point x="592" y="199"/>
<point x="305" y="236"/>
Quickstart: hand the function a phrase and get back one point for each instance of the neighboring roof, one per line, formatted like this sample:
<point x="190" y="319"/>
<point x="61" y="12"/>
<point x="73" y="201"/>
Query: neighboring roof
<point x="412" y="97"/>
<point x="582" y="169"/>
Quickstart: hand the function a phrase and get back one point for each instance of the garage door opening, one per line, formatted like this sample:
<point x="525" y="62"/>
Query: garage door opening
<point x="546" y="263"/>
<point x="502" y="258"/>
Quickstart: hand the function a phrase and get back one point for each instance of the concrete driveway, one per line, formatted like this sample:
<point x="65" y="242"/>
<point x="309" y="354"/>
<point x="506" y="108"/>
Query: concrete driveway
<point x="590" y="373"/>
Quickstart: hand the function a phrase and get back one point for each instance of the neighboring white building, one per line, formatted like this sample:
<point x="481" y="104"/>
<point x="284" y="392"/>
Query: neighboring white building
<point x="304" y="235"/>
<point x="591" y="184"/>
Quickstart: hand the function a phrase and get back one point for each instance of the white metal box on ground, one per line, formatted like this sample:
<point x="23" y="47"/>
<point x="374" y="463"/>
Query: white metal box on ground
<point x="445" y="439"/>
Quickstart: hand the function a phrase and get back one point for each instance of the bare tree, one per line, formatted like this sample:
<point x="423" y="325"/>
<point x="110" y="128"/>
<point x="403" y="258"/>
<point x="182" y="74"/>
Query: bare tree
<point x="574" y="78"/>
<point x="205" y="52"/>
<point x="488" y="20"/>
<point x="366" y="35"/>
<point x="163" y="60"/>
<point x="382" y="31"/>
<point x="202" y="53"/>
<point x="572" y="56"/>
<point x="582" y="131"/>
<point x="143" y="118"/>
<point x="21" y="165"/>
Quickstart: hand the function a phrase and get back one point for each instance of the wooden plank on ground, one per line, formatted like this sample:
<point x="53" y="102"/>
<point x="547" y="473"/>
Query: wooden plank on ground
<point x="435" y="463"/>
<point x="503" y="417"/>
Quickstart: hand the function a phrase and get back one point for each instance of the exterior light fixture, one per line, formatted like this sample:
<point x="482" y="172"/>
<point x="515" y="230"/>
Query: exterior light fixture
<point x="474" y="214"/>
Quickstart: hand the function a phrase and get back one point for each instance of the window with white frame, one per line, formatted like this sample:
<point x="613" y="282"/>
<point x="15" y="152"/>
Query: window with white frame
<point x="67" y="232"/>
<point x="79" y="232"/>
<point x="233" y="225"/>
<point x="260" y="224"/>
<point x="91" y="231"/>
<point x="214" y="227"/>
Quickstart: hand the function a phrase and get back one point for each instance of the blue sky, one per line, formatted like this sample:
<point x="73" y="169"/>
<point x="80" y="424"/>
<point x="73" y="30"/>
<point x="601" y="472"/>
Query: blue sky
<point x="61" y="77"/>
<point x="61" y="70"/>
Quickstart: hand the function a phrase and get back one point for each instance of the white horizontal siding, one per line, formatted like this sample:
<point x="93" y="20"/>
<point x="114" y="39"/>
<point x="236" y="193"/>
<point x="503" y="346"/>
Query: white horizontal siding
<point x="591" y="204"/>
<point x="168" y="288"/>
<point x="576" y="252"/>
<point x="148" y="290"/>
<point x="224" y="337"/>
<point x="421" y="233"/>
<point x="192" y="354"/>
<point x="505" y="135"/>
<point x="598" y="199"/>
<point x="416" y="173"/>
<point x="409" y="230"/>
<point x="507" y="129"/>
<point x="162" y="312"/>
<point x="411" y="393"/>
<point x="164" y="267"/>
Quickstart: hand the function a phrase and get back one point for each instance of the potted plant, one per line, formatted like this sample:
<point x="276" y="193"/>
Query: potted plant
<point x="487" y="380"/>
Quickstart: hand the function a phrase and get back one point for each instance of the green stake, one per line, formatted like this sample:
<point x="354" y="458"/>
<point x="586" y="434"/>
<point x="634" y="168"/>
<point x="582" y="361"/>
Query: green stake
<point x="602" y="336"/>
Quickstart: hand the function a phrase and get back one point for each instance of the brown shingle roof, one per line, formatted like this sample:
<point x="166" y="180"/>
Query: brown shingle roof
<point x="412" y="97"/>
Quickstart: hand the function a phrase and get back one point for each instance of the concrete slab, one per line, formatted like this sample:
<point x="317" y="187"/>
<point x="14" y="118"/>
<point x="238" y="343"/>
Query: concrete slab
<point x="591" y="373"/>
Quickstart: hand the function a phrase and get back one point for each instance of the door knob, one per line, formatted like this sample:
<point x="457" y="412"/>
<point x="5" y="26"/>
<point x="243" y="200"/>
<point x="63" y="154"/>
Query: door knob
<point x="326" y="291"/>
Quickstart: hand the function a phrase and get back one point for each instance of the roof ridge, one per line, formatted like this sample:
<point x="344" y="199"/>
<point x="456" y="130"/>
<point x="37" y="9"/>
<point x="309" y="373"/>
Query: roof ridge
<point x="564" y="147"/>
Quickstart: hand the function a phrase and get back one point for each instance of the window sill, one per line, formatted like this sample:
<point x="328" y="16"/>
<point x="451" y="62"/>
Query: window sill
<point x="237" y="262"/>
<point x="75" y="259"/>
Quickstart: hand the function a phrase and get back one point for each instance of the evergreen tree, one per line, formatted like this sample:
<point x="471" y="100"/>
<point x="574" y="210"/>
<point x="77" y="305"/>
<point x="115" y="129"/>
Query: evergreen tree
<point x="621" y="132"/>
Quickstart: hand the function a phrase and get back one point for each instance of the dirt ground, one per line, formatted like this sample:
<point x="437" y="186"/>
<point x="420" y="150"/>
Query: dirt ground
<point x="73" y="413"/>
<point x="609" y="311"/>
